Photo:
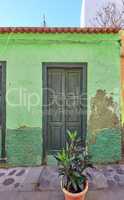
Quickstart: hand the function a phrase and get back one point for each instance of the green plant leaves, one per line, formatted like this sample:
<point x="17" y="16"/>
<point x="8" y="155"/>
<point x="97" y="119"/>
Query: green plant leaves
<point x="72" y="135"/>
<point x="73" y="160"/>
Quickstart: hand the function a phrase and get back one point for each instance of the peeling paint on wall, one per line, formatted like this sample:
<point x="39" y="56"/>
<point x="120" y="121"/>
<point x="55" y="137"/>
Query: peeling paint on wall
<point x="107" y="148"/>
<point x="122" y="88"/>
<point x="103" y="113"/>
<point x="24" y="59"/>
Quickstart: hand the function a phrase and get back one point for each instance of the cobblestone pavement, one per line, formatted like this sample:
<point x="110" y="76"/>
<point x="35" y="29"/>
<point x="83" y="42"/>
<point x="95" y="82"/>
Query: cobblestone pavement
<point x="104" y="177"/>
<point x="19" y="179"/>
<point x="42" y="183"/>
<point x="27" y="179"/>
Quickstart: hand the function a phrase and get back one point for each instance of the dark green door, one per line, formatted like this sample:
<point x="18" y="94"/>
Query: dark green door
<point x="65" y="110"/>
<point x="56" y="109"/>
<point x="3" y="109"/>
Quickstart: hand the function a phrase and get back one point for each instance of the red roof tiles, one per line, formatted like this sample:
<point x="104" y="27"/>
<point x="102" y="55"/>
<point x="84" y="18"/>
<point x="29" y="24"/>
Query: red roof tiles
<point x="56" y="30"/>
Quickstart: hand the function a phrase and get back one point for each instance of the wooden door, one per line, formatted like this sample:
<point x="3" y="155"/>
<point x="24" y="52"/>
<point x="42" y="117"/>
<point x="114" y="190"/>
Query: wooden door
<point x="73" y="100"/>
<point x="64" y="98"/>
<point x="3" y="109"/>
<point x="56" y="109"/>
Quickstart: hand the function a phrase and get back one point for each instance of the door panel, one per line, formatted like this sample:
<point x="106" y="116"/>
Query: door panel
<point x="55" y="141"/>
<point x="3" y="108"/>
<point x="73" y="98"/>
<point x="56" y="118"/>
<point x="64" y="99"/>
<point x="73" y="82"/>
<point x="0" y="96"/>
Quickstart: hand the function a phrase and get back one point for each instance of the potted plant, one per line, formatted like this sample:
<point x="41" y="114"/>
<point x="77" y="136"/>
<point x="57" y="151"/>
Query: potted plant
<point x="73" y="160"/>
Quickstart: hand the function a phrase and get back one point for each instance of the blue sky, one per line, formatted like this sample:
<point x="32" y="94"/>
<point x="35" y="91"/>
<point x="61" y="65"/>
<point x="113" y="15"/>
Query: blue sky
<point x="30" y="12"/>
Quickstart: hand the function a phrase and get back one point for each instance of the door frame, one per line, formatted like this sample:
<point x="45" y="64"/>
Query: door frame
<point x="68" y="65"/>
<point x="3" y="127"/>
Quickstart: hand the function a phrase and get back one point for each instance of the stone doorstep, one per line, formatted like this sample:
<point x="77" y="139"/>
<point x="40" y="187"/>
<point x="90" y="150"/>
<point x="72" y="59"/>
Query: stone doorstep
<point x="49" y="180"/>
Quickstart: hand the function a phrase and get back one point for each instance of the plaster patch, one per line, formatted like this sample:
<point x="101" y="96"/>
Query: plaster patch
<point x="103" y="113"/>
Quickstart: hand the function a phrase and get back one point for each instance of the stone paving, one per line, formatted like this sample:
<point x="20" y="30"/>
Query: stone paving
<point x="116" y="194"/>
<point x="46" y="178"/>
<point x="49" y="179"/>
<point x="19" y="179"/>
<point x="42" y="183"/>
<point x="104" y="177"/>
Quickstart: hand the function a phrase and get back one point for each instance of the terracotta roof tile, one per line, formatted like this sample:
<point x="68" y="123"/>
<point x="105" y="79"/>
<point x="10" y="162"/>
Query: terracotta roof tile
<point x="57" y="30"/>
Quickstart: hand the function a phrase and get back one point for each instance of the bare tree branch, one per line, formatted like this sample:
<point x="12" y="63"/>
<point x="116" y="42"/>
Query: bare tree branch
<point x="110" y="15"/>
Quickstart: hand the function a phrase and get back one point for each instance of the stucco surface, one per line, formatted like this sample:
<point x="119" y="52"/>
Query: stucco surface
<point x="25" y="54"/>
<point x="24" y="147"/>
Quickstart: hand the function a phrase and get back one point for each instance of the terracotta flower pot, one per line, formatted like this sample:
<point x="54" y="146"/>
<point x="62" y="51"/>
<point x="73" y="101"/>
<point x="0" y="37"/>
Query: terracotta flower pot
<point x="76" y="196"/>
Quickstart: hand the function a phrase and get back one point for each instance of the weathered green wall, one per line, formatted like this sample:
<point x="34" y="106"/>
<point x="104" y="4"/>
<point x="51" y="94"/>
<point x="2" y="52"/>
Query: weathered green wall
<point x="25" y="54"/>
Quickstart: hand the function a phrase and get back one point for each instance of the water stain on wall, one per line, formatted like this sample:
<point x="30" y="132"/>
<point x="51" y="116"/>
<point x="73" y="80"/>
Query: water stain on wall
<point x="103" y="113"/>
